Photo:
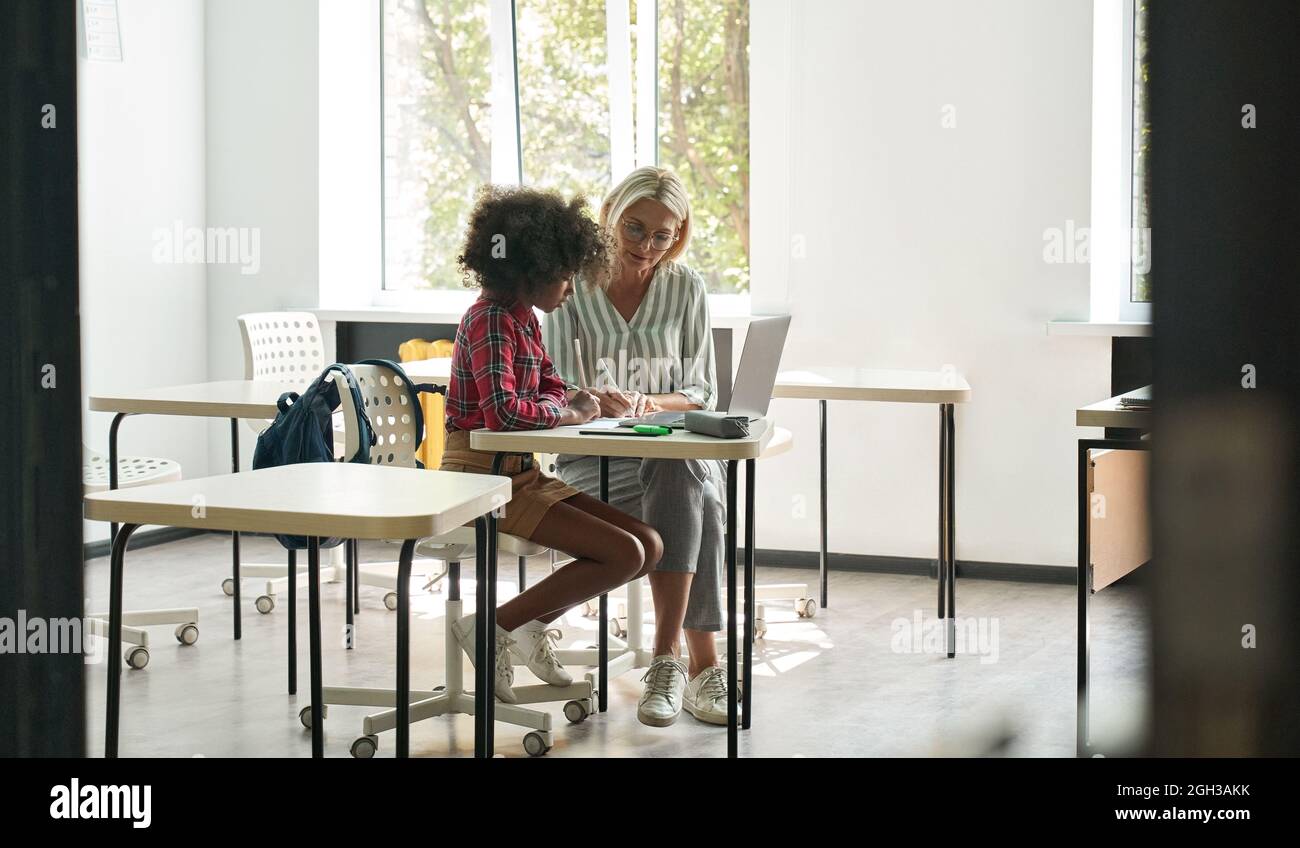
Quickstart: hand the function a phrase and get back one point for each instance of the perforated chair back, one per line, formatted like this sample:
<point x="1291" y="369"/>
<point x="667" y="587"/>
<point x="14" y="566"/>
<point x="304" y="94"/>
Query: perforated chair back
<point x="387" y="403"/>
<point x="286" y="347"/>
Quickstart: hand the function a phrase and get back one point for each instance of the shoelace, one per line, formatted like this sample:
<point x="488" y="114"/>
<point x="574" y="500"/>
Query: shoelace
<point x="714" y="685"/>
<point x="504" y="667"/>
<point x="660" y="677"/>
<point x="544" y="651"/>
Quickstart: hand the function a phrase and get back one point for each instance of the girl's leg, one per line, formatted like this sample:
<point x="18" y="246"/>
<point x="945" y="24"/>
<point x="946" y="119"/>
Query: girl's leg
<point x="611" y="548"/>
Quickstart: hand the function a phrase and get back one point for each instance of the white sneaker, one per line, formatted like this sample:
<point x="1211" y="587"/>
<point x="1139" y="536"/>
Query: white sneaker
<point x="534" y="646"/>
<point x="464" y="632"/>
<point x="706" y="696"/>
<point x="661" y="702"/>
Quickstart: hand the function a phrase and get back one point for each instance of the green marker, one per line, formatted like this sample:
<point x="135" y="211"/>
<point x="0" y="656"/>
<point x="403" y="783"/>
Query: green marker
<point x="653" y="430"/>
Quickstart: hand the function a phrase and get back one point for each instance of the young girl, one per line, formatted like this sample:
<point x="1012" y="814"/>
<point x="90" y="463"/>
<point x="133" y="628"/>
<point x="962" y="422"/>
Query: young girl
<point x="523" y="249"/>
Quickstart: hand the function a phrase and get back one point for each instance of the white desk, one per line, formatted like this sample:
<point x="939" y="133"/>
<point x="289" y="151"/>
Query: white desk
<point x="436" y="371"/>
<point x="318" y="499"/>
<point x="679" y="445"/>
<point x="233" y="399"/>
<point x="944" y="388"/>
<point x="1103" y="413"/>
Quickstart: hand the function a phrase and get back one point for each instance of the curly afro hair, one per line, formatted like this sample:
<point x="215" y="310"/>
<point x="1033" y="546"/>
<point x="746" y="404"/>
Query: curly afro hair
<point x="520" y="239"/>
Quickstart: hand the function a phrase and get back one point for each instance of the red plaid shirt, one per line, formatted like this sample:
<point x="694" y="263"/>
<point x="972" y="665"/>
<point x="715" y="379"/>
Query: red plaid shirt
<point x="501" y="377"/>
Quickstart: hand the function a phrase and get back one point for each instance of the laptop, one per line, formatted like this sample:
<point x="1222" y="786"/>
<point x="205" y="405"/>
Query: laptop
<point x="755" y="377"/>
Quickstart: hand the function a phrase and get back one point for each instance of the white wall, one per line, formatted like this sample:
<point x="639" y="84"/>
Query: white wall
<point x="262" y="171"/>
<point x="924" y="247"/>
<point x="140" y="146"/>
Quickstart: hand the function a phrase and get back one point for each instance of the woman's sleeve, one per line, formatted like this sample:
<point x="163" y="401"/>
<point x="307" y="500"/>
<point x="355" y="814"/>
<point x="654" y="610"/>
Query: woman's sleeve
<point x="557" y="337"/>
<point x="491" y="357"/>
<point x="699" y="369"/>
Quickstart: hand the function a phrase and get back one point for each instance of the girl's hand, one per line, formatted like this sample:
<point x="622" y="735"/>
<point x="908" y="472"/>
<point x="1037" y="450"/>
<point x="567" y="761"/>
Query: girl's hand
<point x="585" y="404"/>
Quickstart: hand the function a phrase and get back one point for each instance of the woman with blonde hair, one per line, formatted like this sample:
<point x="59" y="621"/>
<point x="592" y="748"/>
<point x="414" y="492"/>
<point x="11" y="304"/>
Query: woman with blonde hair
<point x="647" y="345"/>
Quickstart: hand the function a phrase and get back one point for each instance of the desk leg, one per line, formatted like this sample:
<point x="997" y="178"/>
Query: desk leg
<point x="822" y="566"/>
<point x="489" y="720"/>
<point x="293" y="622"/>
<point x="483" y="685"/>
<point x="234" y="552"/>
<point x="350" y="557"/>
<point x="950" y="511"/>
<point x="1084" y="587"/>
<point x="403" y="694"/>
<point x="747" y="694"/>
<point x="313" y="616"/>
<point x="603" y="637"/>
<point x="113" y="705"/>
<point x="732" y="732"/>
<point x="942" y="562"/>
<point x="112" y="467"/>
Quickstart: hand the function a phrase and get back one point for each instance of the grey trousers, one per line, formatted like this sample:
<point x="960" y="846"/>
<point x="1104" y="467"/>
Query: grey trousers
<point x="683" y="500"/>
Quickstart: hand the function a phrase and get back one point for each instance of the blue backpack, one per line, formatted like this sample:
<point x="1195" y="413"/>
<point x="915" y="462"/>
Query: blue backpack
<point x="303" y="430"/>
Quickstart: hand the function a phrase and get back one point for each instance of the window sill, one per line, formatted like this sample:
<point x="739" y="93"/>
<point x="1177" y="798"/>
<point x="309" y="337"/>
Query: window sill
<point x="1099" y="328"/>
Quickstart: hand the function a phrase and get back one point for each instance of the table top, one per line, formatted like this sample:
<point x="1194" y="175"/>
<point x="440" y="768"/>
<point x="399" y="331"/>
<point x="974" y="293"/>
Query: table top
<point x="436" y="370"/>
<point x="872" y="384"/>
<point x="219" y="399"/>
<point x="352" y="500"/>
<point x="1108" y="413"/>
<point x="680" y="445"/>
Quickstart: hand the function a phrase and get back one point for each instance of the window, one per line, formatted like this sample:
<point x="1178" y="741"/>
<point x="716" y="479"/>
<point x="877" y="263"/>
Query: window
<point x="546" y="92"/>
<point x="1120" y="249"/>
<point x="704" y="128"/>
<point x="1140" y="281"/>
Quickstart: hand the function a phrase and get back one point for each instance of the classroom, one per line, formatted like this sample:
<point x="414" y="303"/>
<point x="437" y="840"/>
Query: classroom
<point x="651" y="380"/>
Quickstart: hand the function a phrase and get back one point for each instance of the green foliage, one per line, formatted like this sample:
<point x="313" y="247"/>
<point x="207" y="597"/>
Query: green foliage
<point x="437" y="77"/>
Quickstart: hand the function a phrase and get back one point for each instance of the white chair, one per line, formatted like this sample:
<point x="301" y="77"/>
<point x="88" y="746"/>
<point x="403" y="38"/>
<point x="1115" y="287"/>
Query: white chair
<point x="287" y="347"/>
<point x="387" y="405"/>
<point x="135" y="471"/>
<point x="804" y="605"/>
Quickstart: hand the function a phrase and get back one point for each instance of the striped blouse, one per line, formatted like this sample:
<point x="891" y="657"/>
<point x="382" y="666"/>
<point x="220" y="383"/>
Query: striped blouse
<point x="666" y="347"/>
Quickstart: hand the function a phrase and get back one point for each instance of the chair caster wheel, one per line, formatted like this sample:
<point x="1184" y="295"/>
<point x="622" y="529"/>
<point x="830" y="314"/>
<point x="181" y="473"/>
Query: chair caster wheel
<point x="576" y="712"/>
<point x="617" y="628"/>
<point x="264" y="604"/>
<point x="137" y="657"/>
<point x="760" y="629"/>
<point x="590" y="610"/>
<point x="535" y="744"/>
<point x="390" y="600"/>
<point x="228" y="586"/>
<point x="365" y="747"/>
<point x="806" y="607"/>
<point x="304" y="714"/>
<point x="187" y="634"/>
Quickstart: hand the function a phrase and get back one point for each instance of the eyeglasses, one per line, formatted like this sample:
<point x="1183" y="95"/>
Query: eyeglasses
<point x="636" y="234"/>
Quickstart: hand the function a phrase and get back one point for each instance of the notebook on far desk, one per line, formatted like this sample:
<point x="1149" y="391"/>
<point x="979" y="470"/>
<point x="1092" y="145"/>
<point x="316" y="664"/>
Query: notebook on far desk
<point x="1136" y="399"/>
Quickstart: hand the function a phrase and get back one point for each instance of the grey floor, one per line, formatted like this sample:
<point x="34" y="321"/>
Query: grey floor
<point x="859" y="679"/>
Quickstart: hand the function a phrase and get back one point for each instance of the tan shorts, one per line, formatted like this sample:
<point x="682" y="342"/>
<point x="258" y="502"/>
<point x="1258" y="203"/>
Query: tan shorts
<point x="533" y="493"/>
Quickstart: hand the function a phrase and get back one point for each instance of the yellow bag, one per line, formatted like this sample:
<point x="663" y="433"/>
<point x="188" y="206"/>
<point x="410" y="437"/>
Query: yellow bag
<point x="433" y="406"/>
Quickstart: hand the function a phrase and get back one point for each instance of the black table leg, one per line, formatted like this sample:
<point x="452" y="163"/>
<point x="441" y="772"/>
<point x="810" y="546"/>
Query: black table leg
<point x="732" y="730"/>
<point x="943" y="520"/>
<point x="356" y="576"/>
<point x="747" y="694"/>
<point x="112" y="708"/>
<point x="403" y="696"/>
<point x="112" y="466"/>
<point x="1084" y="586"/>
<point x="490" y="625"/>
<point x="234" y="551"/>
<point x="951" y="513"/>
<point x="483" y="684"/>
<point x="823" y="567"/>
<point x="523" y="573"/>
<point x="293" y="621"/>
<point x="313" y="616"/>
<point x="603" y="629"/>
<point x="350" y="558"/>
